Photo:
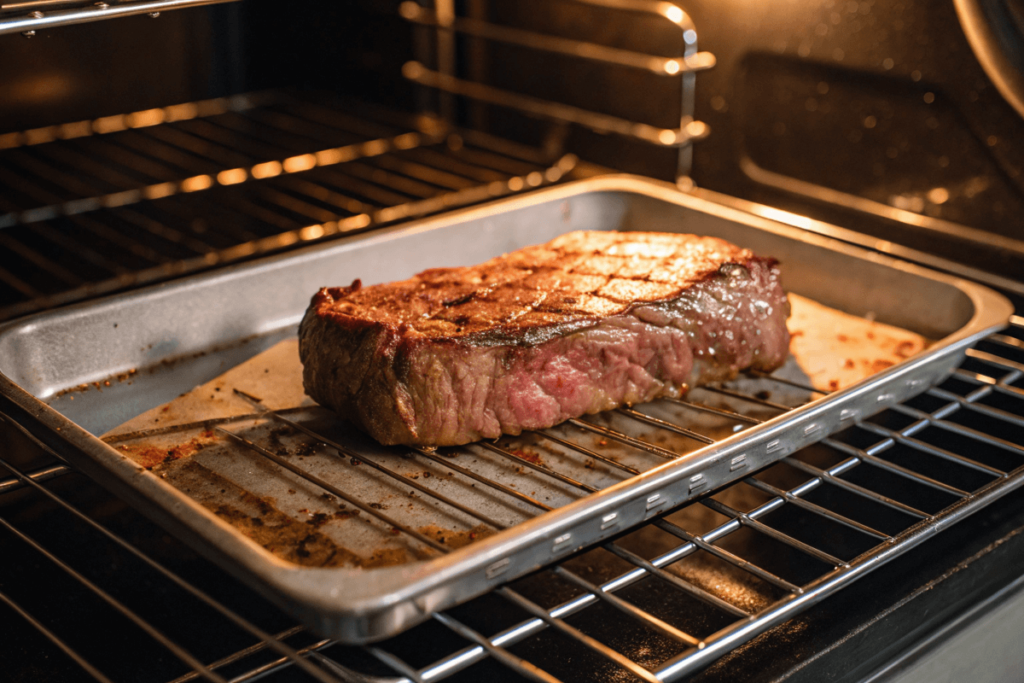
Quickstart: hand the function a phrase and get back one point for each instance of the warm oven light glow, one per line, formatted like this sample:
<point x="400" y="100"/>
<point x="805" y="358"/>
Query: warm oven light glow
<point x="671" y="12"/>
<point x="311" y="232"/>
<point x="232" y="176"/>
<point x="109" y="124"/>
<point x="196" y="183"/>
<point x="267" y="169"/>
<point x="181" y="112"/>
<point x="149" y="117"/>
<point x="303" y="162"/>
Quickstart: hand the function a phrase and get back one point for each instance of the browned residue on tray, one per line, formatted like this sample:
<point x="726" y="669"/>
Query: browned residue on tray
<point x="389" y="557"/>
<point x="257" y="518"/>
<point x="287" y="538"/>
<point x="152" y="457"/>
<point x="297" y="541"/>
<point x="456" y="539"/>
<point x="120" y="377"/>
<point x="529" y="456"/>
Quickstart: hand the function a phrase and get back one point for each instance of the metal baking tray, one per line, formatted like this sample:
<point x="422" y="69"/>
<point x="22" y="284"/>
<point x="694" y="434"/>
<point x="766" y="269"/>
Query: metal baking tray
<point x="153" y="344"/>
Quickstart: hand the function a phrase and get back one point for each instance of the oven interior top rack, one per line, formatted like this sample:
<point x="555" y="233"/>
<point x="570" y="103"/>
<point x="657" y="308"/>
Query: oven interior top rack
<point x="93" y="207"/>
<point x="29" y="16"/>
<point x="100" y="205"/>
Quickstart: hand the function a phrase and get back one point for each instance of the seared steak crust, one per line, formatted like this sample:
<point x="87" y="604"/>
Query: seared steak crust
<point x="584" y="323"/>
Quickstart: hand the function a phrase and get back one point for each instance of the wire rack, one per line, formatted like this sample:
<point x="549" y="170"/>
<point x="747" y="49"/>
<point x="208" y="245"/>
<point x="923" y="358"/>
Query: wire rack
<point x="657" y="603"/>
<point x="91" y="207"/>
<point x="447" y="24"/>
<point x="28" y="16"/>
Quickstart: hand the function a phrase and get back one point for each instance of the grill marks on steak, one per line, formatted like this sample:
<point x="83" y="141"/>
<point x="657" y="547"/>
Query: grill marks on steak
<point x="576" y="278"/>
<point x="584" y="323"/>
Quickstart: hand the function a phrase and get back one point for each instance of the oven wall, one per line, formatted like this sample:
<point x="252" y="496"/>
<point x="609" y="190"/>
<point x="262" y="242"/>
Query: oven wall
<point x="111" y="67"/>
<point x="877" y="100"/>
<point x="872" y="114"/>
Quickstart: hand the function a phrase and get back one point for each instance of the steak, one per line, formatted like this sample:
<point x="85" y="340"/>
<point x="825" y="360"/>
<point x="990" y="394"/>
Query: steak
<point x="585" y="323"/>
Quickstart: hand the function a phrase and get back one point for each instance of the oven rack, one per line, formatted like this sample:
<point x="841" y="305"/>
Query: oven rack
<point x="28" y="16"/>
<point x="658" y="603"/>
<point x="446" y="22"/>
<point x="93" y="207"/>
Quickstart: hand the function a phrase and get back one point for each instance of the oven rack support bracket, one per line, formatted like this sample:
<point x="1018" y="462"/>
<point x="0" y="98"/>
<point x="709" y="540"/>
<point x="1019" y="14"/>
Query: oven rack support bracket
<point x="447" y="24"/>
<point x="29" y="16"/>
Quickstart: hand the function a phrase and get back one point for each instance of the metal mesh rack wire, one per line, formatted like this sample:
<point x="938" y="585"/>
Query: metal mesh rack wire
<point x="91" y="207"/>
<point x="657" y="603"/>
<point x="447" y="23"/>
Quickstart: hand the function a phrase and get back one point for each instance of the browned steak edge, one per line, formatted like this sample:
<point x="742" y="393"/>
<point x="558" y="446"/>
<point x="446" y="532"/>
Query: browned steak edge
<point x="368" y="372"/>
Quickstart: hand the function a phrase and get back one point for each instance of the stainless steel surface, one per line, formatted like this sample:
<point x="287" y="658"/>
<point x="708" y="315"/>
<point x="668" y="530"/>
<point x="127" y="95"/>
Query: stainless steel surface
<point x="38" y="20"/>
<point x="980" y="645"/>
<point x="35" y="4"/>
<point x="443" y="18"/>
<point x="909" y="142"/>
<point x="266" y="299"/>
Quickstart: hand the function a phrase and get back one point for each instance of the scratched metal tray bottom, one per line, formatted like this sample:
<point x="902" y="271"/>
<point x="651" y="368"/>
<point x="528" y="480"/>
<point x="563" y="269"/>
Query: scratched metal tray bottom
<point x="312" y="490"/>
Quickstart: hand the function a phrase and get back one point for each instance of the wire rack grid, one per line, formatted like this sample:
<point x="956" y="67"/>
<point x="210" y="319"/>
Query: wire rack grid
<point x="92" y="207"/>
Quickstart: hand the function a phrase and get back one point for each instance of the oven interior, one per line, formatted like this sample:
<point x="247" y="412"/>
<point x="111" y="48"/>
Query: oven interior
<point x="141" y="149"/>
